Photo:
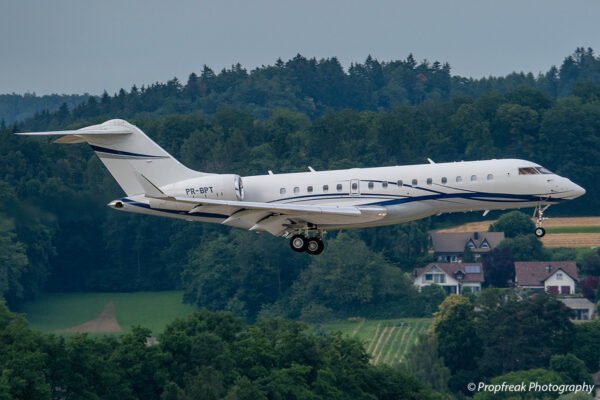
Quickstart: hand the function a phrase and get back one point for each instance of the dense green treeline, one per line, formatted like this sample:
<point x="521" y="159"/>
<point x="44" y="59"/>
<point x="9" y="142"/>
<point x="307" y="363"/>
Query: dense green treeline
<point x="15" y="107"/>
<point x="498" y="335"/>
<point x="207" y="355"/>
<point x="309" y="86"/>
<point x="61" y="236"/>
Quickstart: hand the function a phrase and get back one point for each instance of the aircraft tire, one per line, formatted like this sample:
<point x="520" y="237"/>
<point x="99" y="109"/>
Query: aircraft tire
<point x="315" y="246"/>
<point x="540" y="232"/>
<point x="299" y="243"/>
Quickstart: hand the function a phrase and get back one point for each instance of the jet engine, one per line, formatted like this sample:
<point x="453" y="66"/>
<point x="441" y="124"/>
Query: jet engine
<point x="217" y="187"/>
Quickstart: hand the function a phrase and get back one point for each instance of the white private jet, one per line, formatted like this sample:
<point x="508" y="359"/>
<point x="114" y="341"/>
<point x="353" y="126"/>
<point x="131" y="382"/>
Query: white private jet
<point x="303" y="206"/>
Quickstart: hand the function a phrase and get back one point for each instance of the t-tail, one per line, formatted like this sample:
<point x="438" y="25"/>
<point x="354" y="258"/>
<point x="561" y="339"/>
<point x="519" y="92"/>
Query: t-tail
<point x="130" y="156"/>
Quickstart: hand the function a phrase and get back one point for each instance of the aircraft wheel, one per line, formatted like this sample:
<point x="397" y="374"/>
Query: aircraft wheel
<point x="315" y="246"/>
<point x="298" y="243"/>
<point x="540" y="232"/>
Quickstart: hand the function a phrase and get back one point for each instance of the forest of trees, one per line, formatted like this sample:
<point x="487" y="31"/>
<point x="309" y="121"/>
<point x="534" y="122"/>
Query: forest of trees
<point x="498" y="337"/>
<point x="15" y="107"/>
<point x="58" y="235"/>
<point x="205" y="356"/>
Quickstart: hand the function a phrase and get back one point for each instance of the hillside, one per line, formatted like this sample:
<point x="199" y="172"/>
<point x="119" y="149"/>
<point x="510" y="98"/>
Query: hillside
<point x="386" y="341"/>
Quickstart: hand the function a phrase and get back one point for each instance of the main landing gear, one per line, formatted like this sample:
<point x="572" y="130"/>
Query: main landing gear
<point x="312" y="245"/>
<point x="538" y="214"/>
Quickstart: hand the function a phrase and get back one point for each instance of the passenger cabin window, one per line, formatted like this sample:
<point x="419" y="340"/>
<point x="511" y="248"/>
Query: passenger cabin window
<point x="473" y="178"/>
<point x="354" y="185"/>
<point x="458" y="179"/>
<point x="444" y="180"/>
<point x="339" y="187"/>
<point x="371" y="185"/>
<point x="490" y="177"/>
<point x="325" y="188"/>
<point x="296" y="189"/>
<point x="415" y="182"/>
<point x="429" y="181"/>
<point x="400" y="183"/>
<point x="384" y="185"/>
<point x="282" y="191"/>
<point x="309" y="189"/>
<point x="528" y="171"/>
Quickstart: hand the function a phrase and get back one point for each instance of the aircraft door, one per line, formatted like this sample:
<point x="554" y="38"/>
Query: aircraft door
<point x="354" y="187"/>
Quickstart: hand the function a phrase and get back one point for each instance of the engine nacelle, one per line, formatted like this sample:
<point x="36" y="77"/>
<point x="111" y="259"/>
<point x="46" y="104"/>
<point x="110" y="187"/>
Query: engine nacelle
<point x="218" y="187"/>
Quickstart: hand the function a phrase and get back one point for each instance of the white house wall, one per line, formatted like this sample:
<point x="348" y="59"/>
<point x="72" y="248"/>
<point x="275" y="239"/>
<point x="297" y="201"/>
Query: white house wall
<point x="565" y="281"/>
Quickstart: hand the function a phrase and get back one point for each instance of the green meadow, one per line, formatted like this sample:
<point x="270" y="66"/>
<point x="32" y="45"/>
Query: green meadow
<point x="573" y="229"/>
<point x="153" y="310"/>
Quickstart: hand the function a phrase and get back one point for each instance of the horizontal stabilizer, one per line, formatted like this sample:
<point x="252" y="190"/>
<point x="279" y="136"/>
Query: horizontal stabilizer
<point x="117" y="130"/>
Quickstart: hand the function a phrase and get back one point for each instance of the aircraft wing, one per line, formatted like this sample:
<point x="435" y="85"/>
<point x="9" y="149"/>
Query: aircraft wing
<point x="276" y="218"/>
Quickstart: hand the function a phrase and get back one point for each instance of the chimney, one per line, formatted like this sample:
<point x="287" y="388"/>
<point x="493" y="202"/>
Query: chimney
<point x="548" y="268"/>
<point x="476" y="235"/>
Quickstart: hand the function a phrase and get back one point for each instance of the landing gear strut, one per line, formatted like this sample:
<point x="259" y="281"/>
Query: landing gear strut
<point x="312" y="245"/>
<point x="538" y="214"/>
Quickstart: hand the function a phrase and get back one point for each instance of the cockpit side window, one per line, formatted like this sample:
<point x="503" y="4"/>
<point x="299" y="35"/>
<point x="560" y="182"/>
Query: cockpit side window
<point x="528" y="171"/>
<point x="543" y="170"/>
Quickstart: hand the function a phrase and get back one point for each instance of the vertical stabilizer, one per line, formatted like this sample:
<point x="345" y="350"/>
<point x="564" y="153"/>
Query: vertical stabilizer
<point x="127" y="153"/>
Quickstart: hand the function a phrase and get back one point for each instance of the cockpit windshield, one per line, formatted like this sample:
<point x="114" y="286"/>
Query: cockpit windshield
<point x="534" y="171"/>
<point x="544" y="171"/>
<point x="528" y="171"/>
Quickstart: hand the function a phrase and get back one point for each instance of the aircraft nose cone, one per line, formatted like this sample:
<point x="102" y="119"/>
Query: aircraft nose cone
<point x="580" y="191"/>
<point x="577" y="191"/>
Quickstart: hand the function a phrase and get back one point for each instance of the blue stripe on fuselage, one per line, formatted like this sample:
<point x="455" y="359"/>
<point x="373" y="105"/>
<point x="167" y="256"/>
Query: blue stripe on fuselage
<point x="397" y="199"/>
<point x="121" y="153"/>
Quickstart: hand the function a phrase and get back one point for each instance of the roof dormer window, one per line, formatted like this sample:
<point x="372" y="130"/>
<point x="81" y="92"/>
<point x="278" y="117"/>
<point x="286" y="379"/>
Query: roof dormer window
<point x="559" y="276"/>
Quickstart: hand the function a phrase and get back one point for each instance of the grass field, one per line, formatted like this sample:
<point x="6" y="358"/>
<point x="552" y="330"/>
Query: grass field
<point x="560" y="232"/>
<point x="153" y="310"/>
<point x="387" y="341"/>
<point x="573" y="229"/>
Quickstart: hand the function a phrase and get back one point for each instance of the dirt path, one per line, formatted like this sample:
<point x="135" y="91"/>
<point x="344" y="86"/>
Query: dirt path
<point x="106" y="322"/>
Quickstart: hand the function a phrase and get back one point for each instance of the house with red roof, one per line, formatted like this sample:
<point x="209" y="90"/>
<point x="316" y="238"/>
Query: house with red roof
<point x="559" y="277"/>
<point x="450" y="246"/>
<point x="454" y="278"/>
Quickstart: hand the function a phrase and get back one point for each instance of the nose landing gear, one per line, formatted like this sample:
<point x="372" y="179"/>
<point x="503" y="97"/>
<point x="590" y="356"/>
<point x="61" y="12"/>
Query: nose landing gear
<point x="538" y="214"/>
<point x="312" y="245"/>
